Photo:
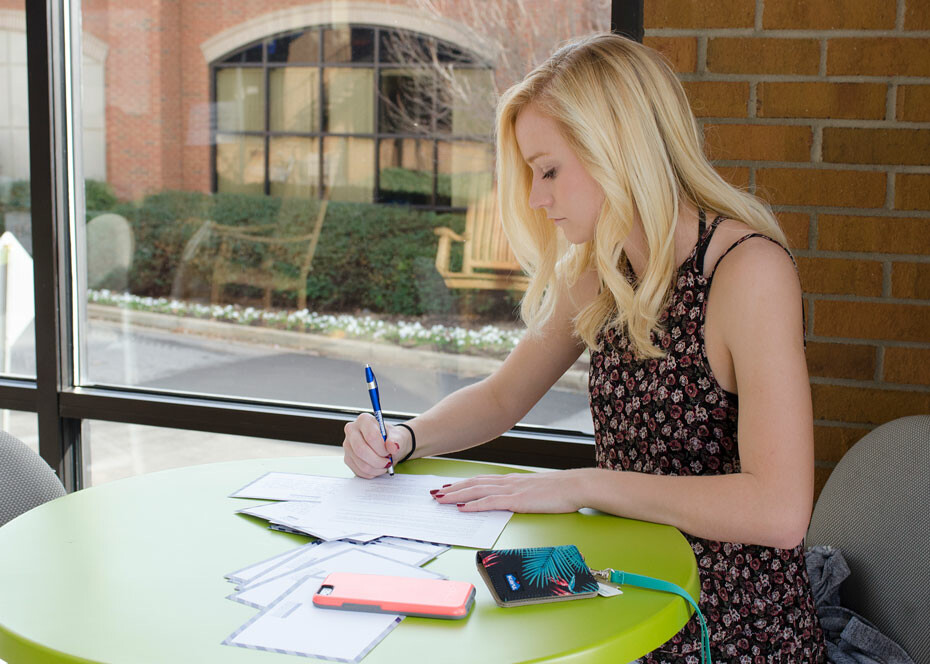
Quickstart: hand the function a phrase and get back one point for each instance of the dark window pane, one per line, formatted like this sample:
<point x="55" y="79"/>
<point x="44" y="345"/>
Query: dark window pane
<point x="443" y="109"/>
<point x="406" y="171"/>
<point x="344" y="44"/>
<point x="447" y="52"/>
<point x="405" y="47"/>
<point x="406" y="103"/>
<point x="251" y="54"/>
<point x="297" y="47"/>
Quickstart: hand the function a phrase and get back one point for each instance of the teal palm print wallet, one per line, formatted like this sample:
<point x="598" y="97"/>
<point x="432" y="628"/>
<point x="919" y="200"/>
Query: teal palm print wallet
<point x="533" y="575"/>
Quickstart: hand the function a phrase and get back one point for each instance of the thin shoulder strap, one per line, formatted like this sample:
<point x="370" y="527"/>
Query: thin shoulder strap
<point x="704" y="239"/>
<point x="743" y="239"/>
<point x="793" y="262"/>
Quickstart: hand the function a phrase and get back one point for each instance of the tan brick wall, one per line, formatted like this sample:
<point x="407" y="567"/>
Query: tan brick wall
<point x="823" y="108"/>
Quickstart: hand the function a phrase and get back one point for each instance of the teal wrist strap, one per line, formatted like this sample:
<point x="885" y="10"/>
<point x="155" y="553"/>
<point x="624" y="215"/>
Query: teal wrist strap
<point x="630" y="579"/>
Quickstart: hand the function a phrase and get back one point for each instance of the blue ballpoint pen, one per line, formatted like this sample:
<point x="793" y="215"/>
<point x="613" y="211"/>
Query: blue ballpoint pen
<point x="376" y="407"/>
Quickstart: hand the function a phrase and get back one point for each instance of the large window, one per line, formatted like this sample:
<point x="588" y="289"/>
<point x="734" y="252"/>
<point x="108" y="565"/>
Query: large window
<point x="354" y="113"/>
<point x="17" y="310"/>
<point x="233" y="209"/>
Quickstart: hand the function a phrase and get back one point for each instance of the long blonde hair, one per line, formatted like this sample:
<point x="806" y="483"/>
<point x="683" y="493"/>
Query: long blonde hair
<point x="625" y="115"/>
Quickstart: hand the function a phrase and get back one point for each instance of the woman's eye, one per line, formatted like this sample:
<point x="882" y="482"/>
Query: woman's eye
<point x="548" y="175"/>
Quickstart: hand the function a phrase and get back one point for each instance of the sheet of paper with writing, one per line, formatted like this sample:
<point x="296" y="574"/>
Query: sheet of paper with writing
<point x="400" y="506"/>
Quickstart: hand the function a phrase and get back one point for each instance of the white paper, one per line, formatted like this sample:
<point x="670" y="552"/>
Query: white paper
<point x="298" y="516"/>
<point x="427" y="547"/>
<point x="319" y="550"/>
<point x="243" y="575"/>
<point x="607" y="590"/>
<point x="293" y="625"/>
<point x="264" y="593"/>
<point x="361" y="538"/>
<point x="289" y="486"/>
<point x="305" y="555"/>
<point x="400" y="506"/>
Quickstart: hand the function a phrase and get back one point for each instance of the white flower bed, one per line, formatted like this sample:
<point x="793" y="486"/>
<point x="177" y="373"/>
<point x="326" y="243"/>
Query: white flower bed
<point x="489" y="339"/>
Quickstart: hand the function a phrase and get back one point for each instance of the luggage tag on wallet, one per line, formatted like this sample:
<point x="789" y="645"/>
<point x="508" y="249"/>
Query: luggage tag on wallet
<point x="605" y="588"/>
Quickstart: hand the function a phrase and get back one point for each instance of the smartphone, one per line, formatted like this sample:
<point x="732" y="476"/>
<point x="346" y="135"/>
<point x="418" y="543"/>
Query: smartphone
<point x="426" y="598"/>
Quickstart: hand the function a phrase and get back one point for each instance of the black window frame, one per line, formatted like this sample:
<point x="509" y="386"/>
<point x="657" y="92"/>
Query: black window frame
<point x="61" y="406"/>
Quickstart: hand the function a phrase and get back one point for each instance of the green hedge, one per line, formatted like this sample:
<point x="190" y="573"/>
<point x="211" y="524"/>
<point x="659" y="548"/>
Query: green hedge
<point x="374" y="257"/>
<point x="378" y="258"/>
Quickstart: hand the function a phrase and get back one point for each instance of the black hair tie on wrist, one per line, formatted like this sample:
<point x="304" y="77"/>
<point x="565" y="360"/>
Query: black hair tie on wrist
<point x="413" y="437"/>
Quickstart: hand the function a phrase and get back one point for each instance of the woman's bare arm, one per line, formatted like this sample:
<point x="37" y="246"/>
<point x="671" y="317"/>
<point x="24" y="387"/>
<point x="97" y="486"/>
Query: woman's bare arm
<point x="757" y="298"/>
<point x="480" y="412"/>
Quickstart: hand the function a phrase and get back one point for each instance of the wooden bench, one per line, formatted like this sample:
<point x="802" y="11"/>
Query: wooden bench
<point x="297" y="250"/>
<point x="487" y="261"/>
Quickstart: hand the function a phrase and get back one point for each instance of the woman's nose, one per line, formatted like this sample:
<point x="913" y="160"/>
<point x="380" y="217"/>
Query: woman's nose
<point x="539" y="198"/>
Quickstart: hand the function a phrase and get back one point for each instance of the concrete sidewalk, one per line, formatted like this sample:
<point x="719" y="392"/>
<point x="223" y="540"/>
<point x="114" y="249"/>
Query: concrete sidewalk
<point x="575" y="379"/>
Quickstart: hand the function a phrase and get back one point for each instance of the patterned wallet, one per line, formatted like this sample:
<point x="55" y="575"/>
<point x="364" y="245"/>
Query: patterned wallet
<point x="533" y="575"/>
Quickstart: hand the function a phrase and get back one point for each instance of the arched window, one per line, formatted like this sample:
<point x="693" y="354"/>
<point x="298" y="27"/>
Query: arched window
<point x="353" y="113"/>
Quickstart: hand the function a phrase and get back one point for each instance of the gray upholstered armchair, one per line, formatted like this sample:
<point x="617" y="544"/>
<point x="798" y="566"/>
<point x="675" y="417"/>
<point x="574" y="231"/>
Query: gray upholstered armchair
<point x="26" y="481"/>
<point x="875" y="509"/>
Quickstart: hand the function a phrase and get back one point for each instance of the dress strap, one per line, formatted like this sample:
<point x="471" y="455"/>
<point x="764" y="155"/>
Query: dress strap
<point x="793" y="262"/>
<point x="704" y="238"/>
<point x="702" y="224"/>
<point x="743" y="239"/>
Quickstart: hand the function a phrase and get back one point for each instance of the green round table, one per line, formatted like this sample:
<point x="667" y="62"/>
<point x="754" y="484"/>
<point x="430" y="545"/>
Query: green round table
<point x="132" y="571"/>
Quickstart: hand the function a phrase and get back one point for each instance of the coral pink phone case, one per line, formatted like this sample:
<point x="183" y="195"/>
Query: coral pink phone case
<point x="427" y="598"/>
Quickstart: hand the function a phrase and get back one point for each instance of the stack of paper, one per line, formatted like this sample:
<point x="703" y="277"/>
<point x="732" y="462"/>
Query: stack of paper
<point x="343" y="508"/>
<point x="389" y="525"/>
<point x="282" y="589"/>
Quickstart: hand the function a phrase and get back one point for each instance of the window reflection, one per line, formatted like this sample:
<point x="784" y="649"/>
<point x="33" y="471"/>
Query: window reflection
<point x="240" y="97"/>
<point x="240" y="164"/>
<point x="276" y="207"/>
<point x="296" y="48"/>
<point x="17" y="309"/>
<point x="429" y="88"/>
<point x="406" y="171"/>
<point x="349" y="103"/>
<point x="345" y="44"/>
<point x="294" y="99"/>
<point x="293" y="167"/>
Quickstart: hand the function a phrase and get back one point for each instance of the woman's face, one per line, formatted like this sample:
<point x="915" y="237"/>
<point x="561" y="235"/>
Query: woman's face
<point x="571" y="198"/>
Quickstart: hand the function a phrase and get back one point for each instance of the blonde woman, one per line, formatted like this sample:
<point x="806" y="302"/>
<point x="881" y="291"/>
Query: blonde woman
<point x="681" y="287"/>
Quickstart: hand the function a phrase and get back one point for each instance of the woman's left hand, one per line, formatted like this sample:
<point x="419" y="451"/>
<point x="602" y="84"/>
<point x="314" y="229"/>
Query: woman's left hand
<point x="547" y="493"/>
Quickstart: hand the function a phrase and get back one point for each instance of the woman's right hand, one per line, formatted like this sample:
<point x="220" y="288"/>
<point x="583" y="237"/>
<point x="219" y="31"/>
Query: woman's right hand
<point x="366" y="453"/>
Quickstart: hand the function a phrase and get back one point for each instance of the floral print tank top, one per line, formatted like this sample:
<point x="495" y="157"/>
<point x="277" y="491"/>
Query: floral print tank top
<point x="669" y="416"/>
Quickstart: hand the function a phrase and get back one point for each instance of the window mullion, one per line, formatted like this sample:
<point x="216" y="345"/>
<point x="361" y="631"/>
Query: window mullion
<point x="48" y="59"/>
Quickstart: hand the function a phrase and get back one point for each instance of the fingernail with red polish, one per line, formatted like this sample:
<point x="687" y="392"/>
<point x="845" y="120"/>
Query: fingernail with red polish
<point x="433" y="492"/>
<point x="460" y="504"/>
<point x="445" y="485"/>
<point x="439" y="495"/>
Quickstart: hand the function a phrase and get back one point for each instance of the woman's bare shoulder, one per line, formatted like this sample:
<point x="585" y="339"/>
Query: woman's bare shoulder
<point x="727" y="234"/>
